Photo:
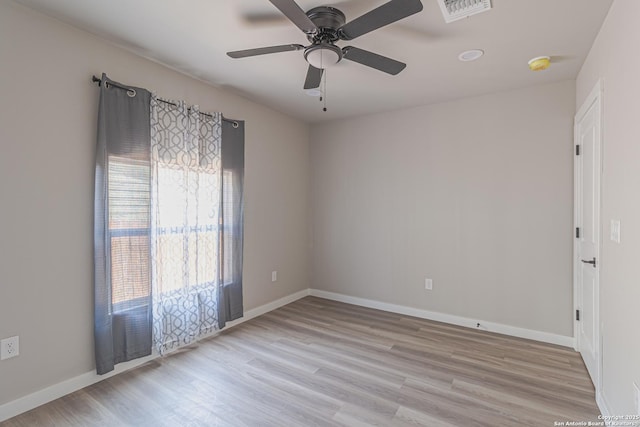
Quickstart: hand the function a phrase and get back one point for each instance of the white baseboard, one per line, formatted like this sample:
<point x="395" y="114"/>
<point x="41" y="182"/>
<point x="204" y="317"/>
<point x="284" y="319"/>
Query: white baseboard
<point x="46" y="395"/>
<point x="604" y="408"/>
<point x="259" y="311"/>
<point x="55" y="391"/>
<point x="448" y="318"/>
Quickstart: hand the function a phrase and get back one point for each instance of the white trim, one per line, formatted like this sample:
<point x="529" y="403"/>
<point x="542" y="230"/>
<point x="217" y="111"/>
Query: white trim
<point x="55" y="391"/>
<point x="448" y="318"/>
<point x="604" y="409"/>
<point x="594" y="95"/>
<point x="265" y="308"/>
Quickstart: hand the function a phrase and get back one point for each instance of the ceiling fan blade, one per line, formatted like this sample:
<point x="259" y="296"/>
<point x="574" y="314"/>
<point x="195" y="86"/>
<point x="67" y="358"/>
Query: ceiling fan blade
<point x="373" y="60"/>
<point x="379" y="17"/>
<point x="264" y="50"/>
<point x="314" y="77"/>
<point x="273" y="18"/>
<point x="296" y="15"/>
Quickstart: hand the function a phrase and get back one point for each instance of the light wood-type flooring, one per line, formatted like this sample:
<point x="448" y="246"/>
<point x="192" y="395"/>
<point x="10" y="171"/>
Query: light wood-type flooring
<point x="322" y="363"/>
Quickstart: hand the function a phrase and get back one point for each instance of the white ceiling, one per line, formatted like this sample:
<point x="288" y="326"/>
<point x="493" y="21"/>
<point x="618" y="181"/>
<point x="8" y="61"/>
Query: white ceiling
<point x="194" y="35"/>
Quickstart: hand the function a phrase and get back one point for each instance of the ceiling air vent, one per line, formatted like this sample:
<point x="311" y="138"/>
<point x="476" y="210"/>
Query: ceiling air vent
<point x="458" y="9"/>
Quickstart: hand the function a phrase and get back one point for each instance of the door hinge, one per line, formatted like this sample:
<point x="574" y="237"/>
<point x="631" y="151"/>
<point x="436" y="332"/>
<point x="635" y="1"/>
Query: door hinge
<point x="578" y="315"/>
<point x="577" y="232"/>
<point x="577" y="150"/>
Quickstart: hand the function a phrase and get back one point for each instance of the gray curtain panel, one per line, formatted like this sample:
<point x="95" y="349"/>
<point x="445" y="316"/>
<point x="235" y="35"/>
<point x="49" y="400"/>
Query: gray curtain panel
<point x="230" y="290"/>
<point x="122" y="285"/>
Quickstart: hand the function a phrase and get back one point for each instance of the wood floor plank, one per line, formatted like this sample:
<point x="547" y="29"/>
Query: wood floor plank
<point x="323" y="363"/>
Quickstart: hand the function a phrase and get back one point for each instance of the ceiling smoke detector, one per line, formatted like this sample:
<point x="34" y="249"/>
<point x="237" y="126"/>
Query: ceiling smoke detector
<point x="540" y="63"/>
<point x="454" y="10"/>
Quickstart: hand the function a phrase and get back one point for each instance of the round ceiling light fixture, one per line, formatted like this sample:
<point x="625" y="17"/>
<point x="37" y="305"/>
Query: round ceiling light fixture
<point x="323" y="55"/>
<point x="470" y="55"/>
<point x="540" y="63"/>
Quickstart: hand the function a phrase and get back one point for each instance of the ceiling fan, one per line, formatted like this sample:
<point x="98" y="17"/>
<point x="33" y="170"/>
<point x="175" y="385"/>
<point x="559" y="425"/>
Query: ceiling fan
<point x="326" y="25"/>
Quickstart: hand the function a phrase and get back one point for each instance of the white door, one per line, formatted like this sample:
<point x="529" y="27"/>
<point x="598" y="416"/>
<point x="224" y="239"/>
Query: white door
<point x="587" y="219"/>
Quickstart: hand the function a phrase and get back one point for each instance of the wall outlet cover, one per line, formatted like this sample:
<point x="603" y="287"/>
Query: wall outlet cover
<point x="636" y="395"/>
<point x="274" y="276"/>
<point x="9" y="347"/>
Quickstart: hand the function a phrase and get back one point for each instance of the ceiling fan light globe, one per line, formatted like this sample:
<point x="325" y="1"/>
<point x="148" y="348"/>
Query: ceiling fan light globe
<point x="323" y="57"/>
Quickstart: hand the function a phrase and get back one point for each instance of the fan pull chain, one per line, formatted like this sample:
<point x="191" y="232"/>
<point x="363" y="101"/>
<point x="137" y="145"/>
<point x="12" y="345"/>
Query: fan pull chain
<point x="323" y="95"/>
<point x="324" y="92"/>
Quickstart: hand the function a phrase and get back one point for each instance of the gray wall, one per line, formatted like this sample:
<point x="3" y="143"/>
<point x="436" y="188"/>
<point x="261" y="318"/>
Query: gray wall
<point x="47" y="136"/>
<point x="614" y="58"/>
<point x="475" y="194"/>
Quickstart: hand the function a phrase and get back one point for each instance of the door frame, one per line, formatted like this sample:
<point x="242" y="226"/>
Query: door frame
<point x="595" y="97"/>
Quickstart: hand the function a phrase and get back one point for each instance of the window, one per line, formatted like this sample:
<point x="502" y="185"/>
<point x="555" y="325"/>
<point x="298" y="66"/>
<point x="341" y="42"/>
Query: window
<point x="187" y="228"/>
<point x="128" y="231"/>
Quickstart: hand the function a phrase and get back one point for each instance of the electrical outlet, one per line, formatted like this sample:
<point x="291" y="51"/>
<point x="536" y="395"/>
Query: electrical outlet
<point x="636" y="395"/>
<point x="9" y="347"/>
<point x="274" y="276"/>
<point x="428" y="284"/>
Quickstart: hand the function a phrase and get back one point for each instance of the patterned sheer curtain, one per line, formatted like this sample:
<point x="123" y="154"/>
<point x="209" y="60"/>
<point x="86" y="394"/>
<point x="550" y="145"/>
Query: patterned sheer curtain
<point x="186" y="214"/>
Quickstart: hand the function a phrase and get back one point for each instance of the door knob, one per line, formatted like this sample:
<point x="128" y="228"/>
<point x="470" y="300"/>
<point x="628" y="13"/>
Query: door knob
<point x="592" y="262"/>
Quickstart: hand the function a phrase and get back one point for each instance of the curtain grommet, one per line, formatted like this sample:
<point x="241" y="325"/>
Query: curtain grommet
<point x="131" y="93"/>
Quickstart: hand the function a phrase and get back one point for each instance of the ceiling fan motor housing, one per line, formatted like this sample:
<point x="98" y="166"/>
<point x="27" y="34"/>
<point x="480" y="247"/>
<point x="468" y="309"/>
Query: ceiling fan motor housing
<point x="328" y="20"/>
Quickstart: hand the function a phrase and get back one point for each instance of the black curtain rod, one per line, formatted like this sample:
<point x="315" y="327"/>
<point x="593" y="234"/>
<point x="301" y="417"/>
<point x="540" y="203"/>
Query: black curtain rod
<point x="98" y="81"/>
